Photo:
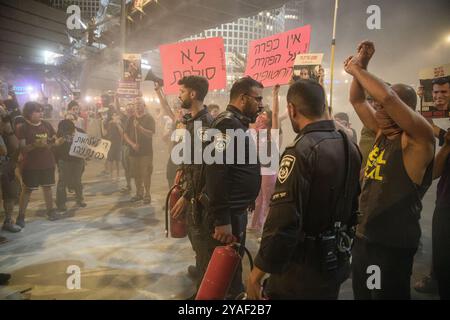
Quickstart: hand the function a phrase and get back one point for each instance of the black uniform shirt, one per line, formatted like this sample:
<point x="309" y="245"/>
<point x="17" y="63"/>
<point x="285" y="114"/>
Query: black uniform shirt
<point x="310" y="181"/>
<point x="231" y="188"/>
<point x="192" y="170"/>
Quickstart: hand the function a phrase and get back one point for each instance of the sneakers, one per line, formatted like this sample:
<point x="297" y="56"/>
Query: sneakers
<point x="147" y="199"/>
<point x="52" y="215"/>
<point x="193" y="272"/>
<point x="81" y="204"/>
<point x="125" y="190"/>
<point x="136" y="199"/>
<point x="426" y="285"/>
<point x="20" y="221"/>
<point x="11" y="227"/>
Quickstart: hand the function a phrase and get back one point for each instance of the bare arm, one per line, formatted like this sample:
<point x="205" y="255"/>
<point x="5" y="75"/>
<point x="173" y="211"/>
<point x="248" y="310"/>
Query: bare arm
<point x="441" y="157"/>
<point x="275" y="107"/>
<point x="408" y="120"/>
<point x="163" y="101"/>
<point x="362" y="107"/>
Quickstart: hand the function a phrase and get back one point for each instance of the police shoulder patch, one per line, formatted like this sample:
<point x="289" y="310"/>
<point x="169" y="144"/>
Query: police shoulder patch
<point x="221" y="142"/>
<point x="286" y="166"/>
<point x="202" y="134"/>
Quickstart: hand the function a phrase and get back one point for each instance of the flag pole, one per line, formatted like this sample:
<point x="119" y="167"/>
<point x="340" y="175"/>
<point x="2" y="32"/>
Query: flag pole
<point x="333" y="46"/>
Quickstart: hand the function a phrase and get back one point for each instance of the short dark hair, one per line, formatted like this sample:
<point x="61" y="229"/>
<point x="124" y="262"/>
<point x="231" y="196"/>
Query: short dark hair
<point x="31" y="107"/>
<point x="11" y="105"/>
<point x="308" y="97"/>
<point x="342" y="116"/>
<point x="213" y="106"/>
<point x="65" y="127"/>
<point x="243" y="86"/>
<point x="441" y="81"/>
<point x="72" y="104"/>
<point x="199" y="84"/>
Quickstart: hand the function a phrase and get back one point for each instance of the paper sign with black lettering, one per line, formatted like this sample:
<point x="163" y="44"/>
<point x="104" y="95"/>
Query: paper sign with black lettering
<point x="204" y="57"/>
<point x="89" y="147"/>
<point x="271" y="60"/>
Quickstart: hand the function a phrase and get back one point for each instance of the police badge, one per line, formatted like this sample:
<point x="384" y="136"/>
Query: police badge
<point x="221" y="142"/>
<point x="286" y="166"/>
<point x="202" y="134"/>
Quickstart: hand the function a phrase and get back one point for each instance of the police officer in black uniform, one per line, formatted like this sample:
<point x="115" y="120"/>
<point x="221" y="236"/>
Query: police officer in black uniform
<point x="233" y="187"/>
<point x="193" y="90"/>
<point x="307" y="235"/>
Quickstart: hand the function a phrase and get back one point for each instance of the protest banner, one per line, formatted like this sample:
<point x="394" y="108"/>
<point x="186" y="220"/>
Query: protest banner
<point x="204" y="57"/>
<point x="307" y="65"/>
<point x="131" y="67"/>
<point x="89" y="147"/>
<point x="270" y="60"/>
<point x="427" y="76"/>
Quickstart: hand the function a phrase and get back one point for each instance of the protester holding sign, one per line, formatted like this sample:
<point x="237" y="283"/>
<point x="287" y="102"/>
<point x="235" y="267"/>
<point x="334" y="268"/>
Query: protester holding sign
<point x="70" y="168"/>
<point x="38" y="167"/>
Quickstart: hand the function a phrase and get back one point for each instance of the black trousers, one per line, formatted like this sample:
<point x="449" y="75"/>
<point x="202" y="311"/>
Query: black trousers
<point x="304" y="278"/>
<point x="195" y="234"/>
<point x="395" y="265"/>
<point x="441" y="250"/>
<point x="239" y="227"/>
<point x="70" y="173"/>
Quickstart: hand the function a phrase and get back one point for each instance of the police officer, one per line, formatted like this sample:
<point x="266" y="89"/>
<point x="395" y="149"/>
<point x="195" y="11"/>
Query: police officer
<point x="193" y="90"/>
<point x="307" y="238"/>
<point x="233" y="186"/>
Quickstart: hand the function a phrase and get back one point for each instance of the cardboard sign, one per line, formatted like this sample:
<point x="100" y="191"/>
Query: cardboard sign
<point x="199" y="57"/>
<point x="427" y="105"/>
<point x="132" y="67"/>
<point x="89" y="147"/>
<point x="271" y="60"/>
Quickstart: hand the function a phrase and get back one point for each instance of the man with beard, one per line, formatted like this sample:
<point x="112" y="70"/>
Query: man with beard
<point x="232" y="187"/>
<point x="397" y="175"/>
<point x="193" y="90"/>
<point x="313" y="207"/>
<point x="139" y="135"/>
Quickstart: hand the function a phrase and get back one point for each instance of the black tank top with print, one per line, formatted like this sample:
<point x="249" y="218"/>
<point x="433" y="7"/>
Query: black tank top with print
<point x="390" y="202"/>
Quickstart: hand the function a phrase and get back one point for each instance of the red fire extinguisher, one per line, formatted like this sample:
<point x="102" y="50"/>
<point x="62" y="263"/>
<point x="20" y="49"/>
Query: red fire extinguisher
<point x="220" y="272"/>
<point x="178" y="227"/>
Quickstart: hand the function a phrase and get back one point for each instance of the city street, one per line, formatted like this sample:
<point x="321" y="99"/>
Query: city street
<point x="120" y="247"/>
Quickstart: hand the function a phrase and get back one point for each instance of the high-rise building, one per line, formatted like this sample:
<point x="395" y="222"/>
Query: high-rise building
<point x="294" y="11"/>
<point x="238" y="34"/>
<point x="88" y="8"/>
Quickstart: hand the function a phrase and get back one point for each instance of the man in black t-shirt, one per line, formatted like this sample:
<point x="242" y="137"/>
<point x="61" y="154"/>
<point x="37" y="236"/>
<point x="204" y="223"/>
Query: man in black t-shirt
<point x="138" y="135"/>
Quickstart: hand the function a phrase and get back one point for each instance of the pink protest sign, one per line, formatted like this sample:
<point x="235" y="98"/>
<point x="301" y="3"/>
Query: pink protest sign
<point x="271" y="60"/>
<point x="199" y="57"/>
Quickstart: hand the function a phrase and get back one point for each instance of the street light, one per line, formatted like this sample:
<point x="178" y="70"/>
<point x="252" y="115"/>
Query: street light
<point x="448" y="39"/>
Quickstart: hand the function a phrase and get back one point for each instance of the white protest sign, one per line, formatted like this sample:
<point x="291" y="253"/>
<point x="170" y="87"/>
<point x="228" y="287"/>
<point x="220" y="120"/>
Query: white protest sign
<point x="89" y="147"/>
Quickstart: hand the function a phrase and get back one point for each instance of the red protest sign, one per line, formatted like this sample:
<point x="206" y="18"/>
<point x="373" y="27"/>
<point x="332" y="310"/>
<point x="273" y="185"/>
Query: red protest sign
<point x="199" y="57"/>
<point x="271" y="60"/>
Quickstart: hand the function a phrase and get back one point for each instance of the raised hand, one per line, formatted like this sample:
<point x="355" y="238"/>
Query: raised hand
<point x="366" y="50"/>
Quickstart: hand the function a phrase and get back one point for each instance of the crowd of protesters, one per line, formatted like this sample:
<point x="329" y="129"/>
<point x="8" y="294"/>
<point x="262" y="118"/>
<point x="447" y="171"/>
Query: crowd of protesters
<point x="398" y="163"/>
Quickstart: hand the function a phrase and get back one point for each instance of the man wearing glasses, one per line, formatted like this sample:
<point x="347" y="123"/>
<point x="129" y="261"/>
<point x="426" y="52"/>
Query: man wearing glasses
<point x="232" y="187"/>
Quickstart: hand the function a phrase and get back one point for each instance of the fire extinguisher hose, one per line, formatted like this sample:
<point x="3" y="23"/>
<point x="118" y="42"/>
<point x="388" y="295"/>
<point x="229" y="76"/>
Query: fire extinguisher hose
<point x="249" y="255"/>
